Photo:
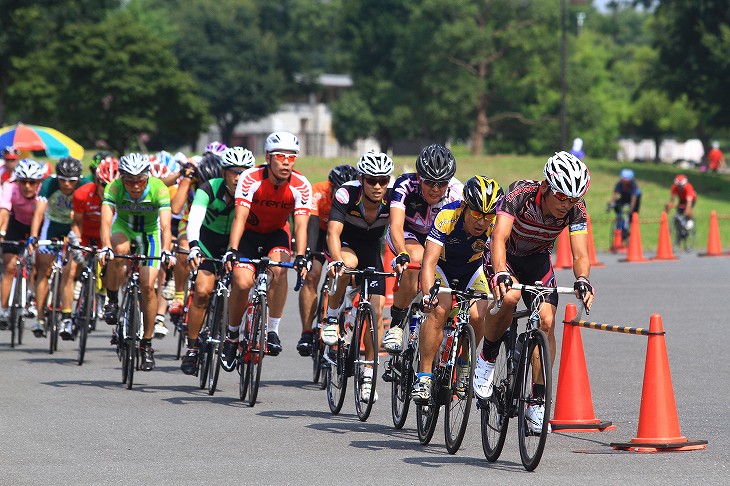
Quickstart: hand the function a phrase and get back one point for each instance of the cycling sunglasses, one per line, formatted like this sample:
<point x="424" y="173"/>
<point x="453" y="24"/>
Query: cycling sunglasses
<point x="373" y="181"/>
<point x="134" y="182"/>
<point x="67" y="179"/>
<point x="437" y="184"/>
<point x="30" y="182"/>
<point x="236" y="171"/>
<point x="480" y="215"/>
<point x="564" y="197"/>
<point x="281" y="157"/>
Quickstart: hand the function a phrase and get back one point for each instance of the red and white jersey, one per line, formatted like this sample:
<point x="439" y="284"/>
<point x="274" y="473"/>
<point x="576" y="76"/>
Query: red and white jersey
<point x="269" y="205"/>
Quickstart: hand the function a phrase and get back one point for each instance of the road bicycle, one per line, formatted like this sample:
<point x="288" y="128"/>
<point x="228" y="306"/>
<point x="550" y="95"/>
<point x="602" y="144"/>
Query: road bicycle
<point x="457" y="356"/>
<point x="255" y="329"/>
<point x="683" y="232"/>
<point x="179" y="321"/>
<point x="344" y="358"/>
<point x="53" y="300"/>
<point x="318" y="346"/>
<point x="20" y="293"/>
<point x="84" y="315"/>
<point x="511" y="393"/>
<point x="213" y="334"/>
<point x="621" y="223"/>
<point x="130" y="319"/>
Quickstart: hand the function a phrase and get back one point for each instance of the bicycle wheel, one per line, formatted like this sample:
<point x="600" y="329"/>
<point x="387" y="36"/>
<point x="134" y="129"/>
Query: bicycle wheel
<point x="317" y="344"/>
<point x="336" y="372"/>
<point x="217" y="338"/>
<point x="181" y="323"/>
<point x="132" y="352"/>
<point x="495" y="409"/>
<point x="83" y="314"/>
<point x="535" y="368"/>
<point x="54" y="299"/>
<point x="366" y="329"/>
<point x="15" y="311"/>
<point x="258" y="348"/>
<point x="400" y="397"/>
<point x="456" y="415"/>
<point x="205" y="356"/>
<point x="427" y="415"/>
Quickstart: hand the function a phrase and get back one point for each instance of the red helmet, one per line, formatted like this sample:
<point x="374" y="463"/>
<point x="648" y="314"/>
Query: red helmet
<point x="10" y="153"/>
<point x="680" y="180"/>
<point x="108" y="170"/>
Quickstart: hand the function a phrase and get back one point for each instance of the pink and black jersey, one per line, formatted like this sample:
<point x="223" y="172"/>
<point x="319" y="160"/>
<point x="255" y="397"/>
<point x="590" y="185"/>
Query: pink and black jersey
<point x="270" y="205"/>
<point x="419" y="215"/>
<point x="533" y="231"/>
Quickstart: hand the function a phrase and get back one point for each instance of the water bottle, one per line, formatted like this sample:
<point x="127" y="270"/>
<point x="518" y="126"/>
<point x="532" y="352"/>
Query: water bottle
<point x="413" y="325"/>
<point x="446" y="346"/>
<point x="349" y="324"/>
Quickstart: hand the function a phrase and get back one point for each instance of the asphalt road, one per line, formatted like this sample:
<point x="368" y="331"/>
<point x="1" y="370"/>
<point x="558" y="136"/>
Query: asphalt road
<point x="65" y="424"/>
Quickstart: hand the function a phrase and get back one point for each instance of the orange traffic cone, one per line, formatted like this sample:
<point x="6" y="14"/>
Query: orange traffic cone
<point x="564" y="257"/>
<point x="664" y="244"/>
<point x="714" y="247"/>
<point x="635" y="254"/>
<point x="618" y="242"/>
<point x="592" y="247"/>
<point x="574" y="403"/>
<point x="658" y="421"/>
<point x="389" y="281"/>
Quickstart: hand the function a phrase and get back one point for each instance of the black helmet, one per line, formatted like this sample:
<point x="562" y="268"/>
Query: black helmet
<point x="483" y="194"/>
<point x="341" y="174"/>
<point x="436" y="163"/>
<point x="208" y="168"/>
<point x="69" y="167"/>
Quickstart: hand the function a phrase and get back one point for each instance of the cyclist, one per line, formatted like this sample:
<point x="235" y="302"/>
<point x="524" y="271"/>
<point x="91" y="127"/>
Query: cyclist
<point x="209" y="224"/>
<point x="358" y="218"/>
<point x="454" y="250"/>
<point x="531" y="219"/>
<point x="17" y="203"/>
<point x="685" y="194"/>
<point x="417" y="198"/>
<point x="97" y="158"/>
<point x="626" y="193"/>
<point x="715" y="157"/>
<point x="265" y="197"/>
<point x="10" y="157"/>
<point x="141" y="205"/>
<point x="87" y="215"/>
<point x="322" y="193"/>
<point x="53" y="211"/>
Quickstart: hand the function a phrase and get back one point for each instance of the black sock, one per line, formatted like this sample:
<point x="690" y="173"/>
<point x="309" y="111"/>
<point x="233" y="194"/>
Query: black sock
<point x="113" y="296"/>
<point x="396" y="316"/>
<point x="65" y="315"/>
<point x="192" y="343"/>
<point x="538" y="390"/>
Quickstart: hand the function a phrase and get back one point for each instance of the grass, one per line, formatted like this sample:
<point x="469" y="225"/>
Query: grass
<point x="654" y="179"/>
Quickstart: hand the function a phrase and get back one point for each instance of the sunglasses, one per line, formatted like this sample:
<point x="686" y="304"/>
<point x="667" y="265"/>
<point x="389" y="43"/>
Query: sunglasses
<point x="236" y="171"/>
<point x="281" y="157"/>
<point x="134" y="182"/>
<point x="480" y="215"/>
<point x="564" y="197"/>
<point x="437" y="184"/>
<point x="374" y="181"/>
<point x="30" y="182"/>
<point x="67" y="179"/>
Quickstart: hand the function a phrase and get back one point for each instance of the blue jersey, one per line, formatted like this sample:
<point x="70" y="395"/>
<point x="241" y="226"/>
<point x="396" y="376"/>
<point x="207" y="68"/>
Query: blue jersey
<point x="459" y="249"/>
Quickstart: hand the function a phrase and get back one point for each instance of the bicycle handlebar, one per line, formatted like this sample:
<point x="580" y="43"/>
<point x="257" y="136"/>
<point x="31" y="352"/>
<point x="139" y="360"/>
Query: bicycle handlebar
<point x="410" y="266"/>
<point x="534" y="289"/>
<point x="272" y="263"/>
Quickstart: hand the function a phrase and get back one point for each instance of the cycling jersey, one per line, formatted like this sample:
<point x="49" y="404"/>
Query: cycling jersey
<point x="420" y="216"/>
<point x="626" y="191"/>
<point x="534" y="231"/>
<point x="347" y="208"/>
<point x="683" y="193"/>
<point x="270" y="205"/>
<point x="59" y="205"/>
<point x="322" y="202"/>
<point x="86" y="201"/>
<point x="19" y="206"/>
<point x="6" y="175"/>
<point x="138" y="215"/>
<point x="210" y="213"/>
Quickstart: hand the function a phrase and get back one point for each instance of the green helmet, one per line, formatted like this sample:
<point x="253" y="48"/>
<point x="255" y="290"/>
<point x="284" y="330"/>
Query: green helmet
<point x="98" y="157"/>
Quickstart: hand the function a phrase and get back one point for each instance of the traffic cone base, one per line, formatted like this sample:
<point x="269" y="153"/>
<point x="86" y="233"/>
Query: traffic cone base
<point x="658" y="429"/>
<point x="573" y="402"/>
<point x="664" y="243"/>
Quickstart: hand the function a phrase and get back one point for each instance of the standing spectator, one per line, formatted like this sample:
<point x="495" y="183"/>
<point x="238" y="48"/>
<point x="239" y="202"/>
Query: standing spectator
<point x="715" y="157"/>
<point x="577" y="149"/>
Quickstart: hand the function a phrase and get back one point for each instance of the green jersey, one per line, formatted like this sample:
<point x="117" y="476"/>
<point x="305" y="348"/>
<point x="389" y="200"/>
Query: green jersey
<point x="138" y="215"/>
<point x="219" y="206"/>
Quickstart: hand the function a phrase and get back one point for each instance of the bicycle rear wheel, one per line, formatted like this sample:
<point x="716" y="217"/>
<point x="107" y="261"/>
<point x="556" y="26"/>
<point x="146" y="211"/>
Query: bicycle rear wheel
<point x="257" y="347"/>
<point x="401" y="370"/>
<point x="495" y="409"/>
<point x="535" y="368"/>
<point x="366" y="330"/>
<point x="205" y="356"/>
<point x="456" y="415"/>
<point x="16" y="312"/>
<point x="217" y="338"/>
<point x="317" y="344"/>
<point x="132" y="335"/>
<point x="53" y="317"/>
<point x="83" y="316"/>
<point x="427" y="415"/>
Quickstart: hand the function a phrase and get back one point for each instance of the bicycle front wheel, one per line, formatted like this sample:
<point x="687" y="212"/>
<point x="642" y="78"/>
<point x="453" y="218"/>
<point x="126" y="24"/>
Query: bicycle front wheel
<point x="456" y="415"/>
<point x="366" y="331"/>
<point x="495" y="409"/>
<point x="54" y="298"/>
<point x="131" y="336"/>
<point x="533" y="429"/>
<point x="217" y="338"/>
<point x="257" y="347"/>
<point x="317" y="344"/>
<point x="16" y="311"/>
<point x="84" y="307"/>
<point x="427" y="415"/>
<point x="401" y="370"/>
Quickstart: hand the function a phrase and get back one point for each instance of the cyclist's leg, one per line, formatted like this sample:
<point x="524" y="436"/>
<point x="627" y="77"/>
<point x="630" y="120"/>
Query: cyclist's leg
<point x="9" y="260"/>
<point x="67" y="285"/>
<point x="278" y="247"/>
<point x="116" y="274"/>
<point x="350" y="260"/>
<point x="408" y="283"/>
<point x="204" y="283"/>
<point x="308" y="296"/>
<point x="180" y="273"/>
<point x="241" y="284"/>
<point x="44" y="261"/>
<point x="432" y="333"/>
<point x="496" y="325"/>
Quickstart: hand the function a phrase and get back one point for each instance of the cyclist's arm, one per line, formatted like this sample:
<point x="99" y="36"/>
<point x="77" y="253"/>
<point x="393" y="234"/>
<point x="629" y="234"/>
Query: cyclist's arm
<point x="634" y="199"/>
<point x="40" y="210"/>
<point x="165" y="228"/>
<point x="105" y="230"/>
<point x="171" y="179"/>
<point x="498" y="242"/>
<point x="300" y="232"/>
<point x="334" y="245"/>
<point x="77" y="222"/>
<point x="238" y="226"/>
<point x="431" y="254"/>
<point x="581" y="259"/>
<point x="178" y="202"/>
<point x="312" y="231"/>
<point x="397" y="234"/>
<point x="4" y="218"/>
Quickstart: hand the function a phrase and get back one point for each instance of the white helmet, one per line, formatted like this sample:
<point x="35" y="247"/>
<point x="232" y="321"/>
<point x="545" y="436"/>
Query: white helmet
<point x="282" y="141"/>
<point x="181" y="158"/>
<point x="134" y="163"/>
<point x="375" y="164"/>
<point x="565" y="173"/>
<point x="30" y="169"/>
<point x="237" y="157"/>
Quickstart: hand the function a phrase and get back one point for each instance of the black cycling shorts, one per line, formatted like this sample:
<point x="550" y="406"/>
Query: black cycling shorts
<point x="528" y="270"/>
<point x="367" y="256"/>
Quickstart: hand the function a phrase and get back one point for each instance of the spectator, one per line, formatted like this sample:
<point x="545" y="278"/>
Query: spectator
<point x="715" y="157"/>
<point x="577" y="149"/>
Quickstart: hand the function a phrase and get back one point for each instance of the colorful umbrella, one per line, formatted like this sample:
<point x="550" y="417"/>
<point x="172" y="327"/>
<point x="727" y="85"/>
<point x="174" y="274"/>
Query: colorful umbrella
<point x="33" y="137"/>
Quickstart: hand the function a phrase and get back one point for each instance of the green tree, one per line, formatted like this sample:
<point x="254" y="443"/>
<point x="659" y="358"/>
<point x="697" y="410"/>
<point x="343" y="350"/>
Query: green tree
<point x="112" y="81"/>
<point x="351" y="118"/>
